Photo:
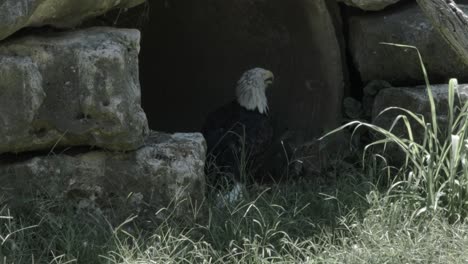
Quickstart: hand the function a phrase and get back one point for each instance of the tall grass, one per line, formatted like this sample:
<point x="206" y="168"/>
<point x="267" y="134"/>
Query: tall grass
<point x="434" y="175"/>
<point x="295" y="222"/>
<point x="285" y="223"/>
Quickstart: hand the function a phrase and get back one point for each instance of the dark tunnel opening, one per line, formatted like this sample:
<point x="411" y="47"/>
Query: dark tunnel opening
<point x="192" y="54"/>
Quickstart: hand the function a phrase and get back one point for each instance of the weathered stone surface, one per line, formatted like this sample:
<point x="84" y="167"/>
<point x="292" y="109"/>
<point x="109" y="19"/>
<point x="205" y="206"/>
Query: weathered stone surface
<point x="414" y="99"/>
<point x="352" y="108"/>
<point x="69" y="89"/>
<point x="450" y="21"/>
<point x="406" y="25"/>
<point x="370" y="5"/>
<point x="17" y="14"/>
<point x="370" y="91"/>
<point x="168" y="168"/>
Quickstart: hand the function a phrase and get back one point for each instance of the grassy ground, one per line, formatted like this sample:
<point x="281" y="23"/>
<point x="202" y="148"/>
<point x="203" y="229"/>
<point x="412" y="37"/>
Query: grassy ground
<point x="345" y="221"/>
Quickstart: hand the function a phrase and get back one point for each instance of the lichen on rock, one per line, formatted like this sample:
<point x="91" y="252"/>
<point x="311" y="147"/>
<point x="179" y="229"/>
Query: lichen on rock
<point x="72" y="88"/>
<point x="168" y="169"/>
<point x="18" y="14"/>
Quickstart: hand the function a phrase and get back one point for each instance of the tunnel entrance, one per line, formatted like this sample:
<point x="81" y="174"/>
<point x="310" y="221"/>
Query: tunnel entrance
<point x="192" y="54"/>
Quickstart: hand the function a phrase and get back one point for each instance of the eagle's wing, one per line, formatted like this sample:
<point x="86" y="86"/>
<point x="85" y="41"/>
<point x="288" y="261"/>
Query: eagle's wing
<point x="259" y="132"/>
<point x="218" y="124"/>
<point x="233" y="129"/>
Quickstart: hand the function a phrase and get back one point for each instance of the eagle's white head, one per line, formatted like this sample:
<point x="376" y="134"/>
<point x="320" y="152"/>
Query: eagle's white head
<point x="250" y="90"/>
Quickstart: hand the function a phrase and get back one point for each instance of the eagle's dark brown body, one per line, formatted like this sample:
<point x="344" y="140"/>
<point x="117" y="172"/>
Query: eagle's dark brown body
<point x="231" y="130"/>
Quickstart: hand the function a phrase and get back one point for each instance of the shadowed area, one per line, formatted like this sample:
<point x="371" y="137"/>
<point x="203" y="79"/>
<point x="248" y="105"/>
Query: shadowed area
<point x="194" y="52"/>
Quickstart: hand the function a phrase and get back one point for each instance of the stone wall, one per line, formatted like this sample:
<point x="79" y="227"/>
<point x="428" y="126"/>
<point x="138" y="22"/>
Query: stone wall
<point x="404" y="25"/>
<point x="71" y="121"/>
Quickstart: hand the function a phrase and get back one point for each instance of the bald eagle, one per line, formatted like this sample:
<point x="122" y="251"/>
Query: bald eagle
<point x="238" y="134"/>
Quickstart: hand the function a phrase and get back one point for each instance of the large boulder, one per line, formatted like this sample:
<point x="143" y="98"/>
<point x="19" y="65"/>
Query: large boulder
<point x="369" y="5"/>
<point x="17" y="14"/>
<point x="69" y="89"/>
<point x="167" y="169"/>
<point x="416" y="100"/>
<point x="405" y="25"/>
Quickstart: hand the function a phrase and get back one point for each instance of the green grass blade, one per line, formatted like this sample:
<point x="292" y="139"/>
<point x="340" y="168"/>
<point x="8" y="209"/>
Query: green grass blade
<point x="426" y="80"/>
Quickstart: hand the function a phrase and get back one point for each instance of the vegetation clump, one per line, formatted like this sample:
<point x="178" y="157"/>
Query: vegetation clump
<point x="434" y="176"/>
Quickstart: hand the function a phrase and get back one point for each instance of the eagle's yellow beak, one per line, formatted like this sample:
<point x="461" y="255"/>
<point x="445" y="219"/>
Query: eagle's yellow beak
<point x="269" y="78"/>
